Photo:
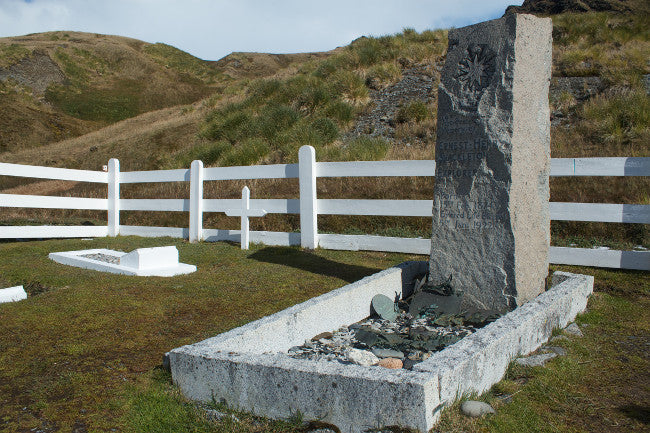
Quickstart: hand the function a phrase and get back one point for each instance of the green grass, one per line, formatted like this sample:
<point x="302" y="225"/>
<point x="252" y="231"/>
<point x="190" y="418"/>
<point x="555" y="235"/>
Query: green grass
<point x="182" y="62"/>
<point x="10" y="54"/>
<point x="98" y="104"/>
<point x="85" y="347"/>
<point x="597" y="387"/>
<point x="414" y="111"/>
<point x="318" y="103"/>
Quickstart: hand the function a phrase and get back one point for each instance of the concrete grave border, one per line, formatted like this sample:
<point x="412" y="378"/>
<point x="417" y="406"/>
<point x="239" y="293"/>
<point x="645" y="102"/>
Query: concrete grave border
<point x="248" y="367"/>
<point x="12" y="294"/>
<point x="73" y="258"/>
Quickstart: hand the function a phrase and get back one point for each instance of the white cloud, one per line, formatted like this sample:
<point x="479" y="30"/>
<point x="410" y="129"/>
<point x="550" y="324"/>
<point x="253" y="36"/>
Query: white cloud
<point x="211" y="29"/>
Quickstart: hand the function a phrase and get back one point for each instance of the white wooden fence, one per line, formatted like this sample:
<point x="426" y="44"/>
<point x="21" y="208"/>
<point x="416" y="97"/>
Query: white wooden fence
<point x="309" y="206"/>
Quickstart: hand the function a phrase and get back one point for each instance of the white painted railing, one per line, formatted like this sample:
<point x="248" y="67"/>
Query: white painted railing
<point x="307" y="171"/>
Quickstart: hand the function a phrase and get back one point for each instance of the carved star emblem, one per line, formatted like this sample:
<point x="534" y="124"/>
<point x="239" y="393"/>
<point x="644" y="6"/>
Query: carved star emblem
<point x="475" y="69"/>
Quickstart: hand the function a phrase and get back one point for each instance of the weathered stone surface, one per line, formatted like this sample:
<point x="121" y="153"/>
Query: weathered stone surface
<point x="491" y="224"/>
<point x="476" y="409"/>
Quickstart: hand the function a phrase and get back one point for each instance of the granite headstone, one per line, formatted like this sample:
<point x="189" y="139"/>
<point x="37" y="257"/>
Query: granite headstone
<point x="491" y="225"/>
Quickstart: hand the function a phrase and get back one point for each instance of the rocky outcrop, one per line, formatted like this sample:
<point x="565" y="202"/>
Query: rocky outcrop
<point x="553" y="7"/>
<point x="418" y="83"/>
<point x="37" y="71"/>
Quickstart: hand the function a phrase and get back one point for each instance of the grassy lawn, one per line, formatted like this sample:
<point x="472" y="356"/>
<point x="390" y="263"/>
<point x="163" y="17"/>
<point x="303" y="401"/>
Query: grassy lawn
<point x="83" y="352"/>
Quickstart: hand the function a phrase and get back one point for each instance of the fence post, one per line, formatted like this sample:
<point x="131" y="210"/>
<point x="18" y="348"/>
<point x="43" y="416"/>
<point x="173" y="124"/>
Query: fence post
<point x="196" y="201"/>
<point x="308" y="203"/>
<point x="113" y="197"/>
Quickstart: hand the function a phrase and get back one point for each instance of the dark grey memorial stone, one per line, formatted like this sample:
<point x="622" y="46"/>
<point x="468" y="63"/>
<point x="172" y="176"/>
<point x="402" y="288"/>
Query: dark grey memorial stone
<point x="491" y="226"/>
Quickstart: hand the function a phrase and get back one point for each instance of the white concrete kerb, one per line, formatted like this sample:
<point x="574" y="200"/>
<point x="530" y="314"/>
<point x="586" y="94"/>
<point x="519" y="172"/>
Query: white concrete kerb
<point x="249" y="368"/>
<point x="12" y="294"/>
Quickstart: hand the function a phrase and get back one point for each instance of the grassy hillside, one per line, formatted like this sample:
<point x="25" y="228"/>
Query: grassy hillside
<point x="599" y="100"/>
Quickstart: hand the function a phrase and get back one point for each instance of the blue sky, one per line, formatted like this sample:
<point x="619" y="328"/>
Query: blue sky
<point x="211" y="29"/>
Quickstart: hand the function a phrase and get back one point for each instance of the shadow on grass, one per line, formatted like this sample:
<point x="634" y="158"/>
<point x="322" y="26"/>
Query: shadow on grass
<point x="641" y="413"/>
<point x="311" y="262"/>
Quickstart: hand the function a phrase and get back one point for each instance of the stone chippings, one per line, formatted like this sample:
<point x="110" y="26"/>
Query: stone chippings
<point x="336" y="345"/>
<point x="102" y="258"/>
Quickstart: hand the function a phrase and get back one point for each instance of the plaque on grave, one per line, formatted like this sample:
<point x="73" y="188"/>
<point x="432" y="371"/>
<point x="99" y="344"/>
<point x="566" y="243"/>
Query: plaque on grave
<point x="491" y="225"/>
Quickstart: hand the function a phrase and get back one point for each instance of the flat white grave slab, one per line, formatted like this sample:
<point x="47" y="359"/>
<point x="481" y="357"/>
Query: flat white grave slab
<point x="144" y="262"/>
<point x="12" y="294"/>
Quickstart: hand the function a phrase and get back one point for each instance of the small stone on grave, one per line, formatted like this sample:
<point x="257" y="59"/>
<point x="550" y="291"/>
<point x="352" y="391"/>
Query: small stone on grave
<point x="392" y="363"/>
<point x="384" y="307"/>
<point x="362" y="357"/>
<point x="387" y="353"/>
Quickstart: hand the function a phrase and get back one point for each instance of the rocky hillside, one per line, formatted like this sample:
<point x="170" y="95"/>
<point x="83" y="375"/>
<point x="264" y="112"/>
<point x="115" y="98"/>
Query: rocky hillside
<point x="373" y="99"/>
<point x="59" y="85"/>
<point x="554" y="7"/>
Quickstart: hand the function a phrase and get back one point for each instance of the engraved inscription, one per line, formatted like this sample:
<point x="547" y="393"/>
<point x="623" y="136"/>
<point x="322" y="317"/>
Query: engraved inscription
<point x="459" y="158"/>
<point x="459" y="213"/>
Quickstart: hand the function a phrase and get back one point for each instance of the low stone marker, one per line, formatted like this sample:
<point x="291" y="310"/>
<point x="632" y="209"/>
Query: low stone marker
<point x="491" y="223"/>
<point x="144" y="262"/>
<point x="12" y="294"/>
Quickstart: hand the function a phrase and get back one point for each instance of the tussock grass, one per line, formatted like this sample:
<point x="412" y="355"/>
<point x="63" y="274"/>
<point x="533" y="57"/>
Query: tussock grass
<point x="315" y="101"/>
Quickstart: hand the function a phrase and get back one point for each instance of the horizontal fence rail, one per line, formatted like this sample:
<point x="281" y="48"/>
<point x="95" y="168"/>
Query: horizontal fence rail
<point x="155" y="176"/>
<point x="51" y="202"/>
<point x="309" y="206"/>
<point x="52" y="173"/>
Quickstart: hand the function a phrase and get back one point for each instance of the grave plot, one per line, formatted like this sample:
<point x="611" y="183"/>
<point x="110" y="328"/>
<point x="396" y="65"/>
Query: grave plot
<point x="145" y="262"/>
<point x="251" y="367"/>
<point x="490" y="236"/>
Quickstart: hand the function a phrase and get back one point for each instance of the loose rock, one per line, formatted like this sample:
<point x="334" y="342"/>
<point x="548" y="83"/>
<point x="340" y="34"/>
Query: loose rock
<point x="387" y="353"/>
<point x="560" y="351"/>
<point x="573" y="329"/>
<point x="393" y="363"/>
<point x="535" y="360"/>
<point x="362" y="357"/>
<point x="476" y="409"/>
